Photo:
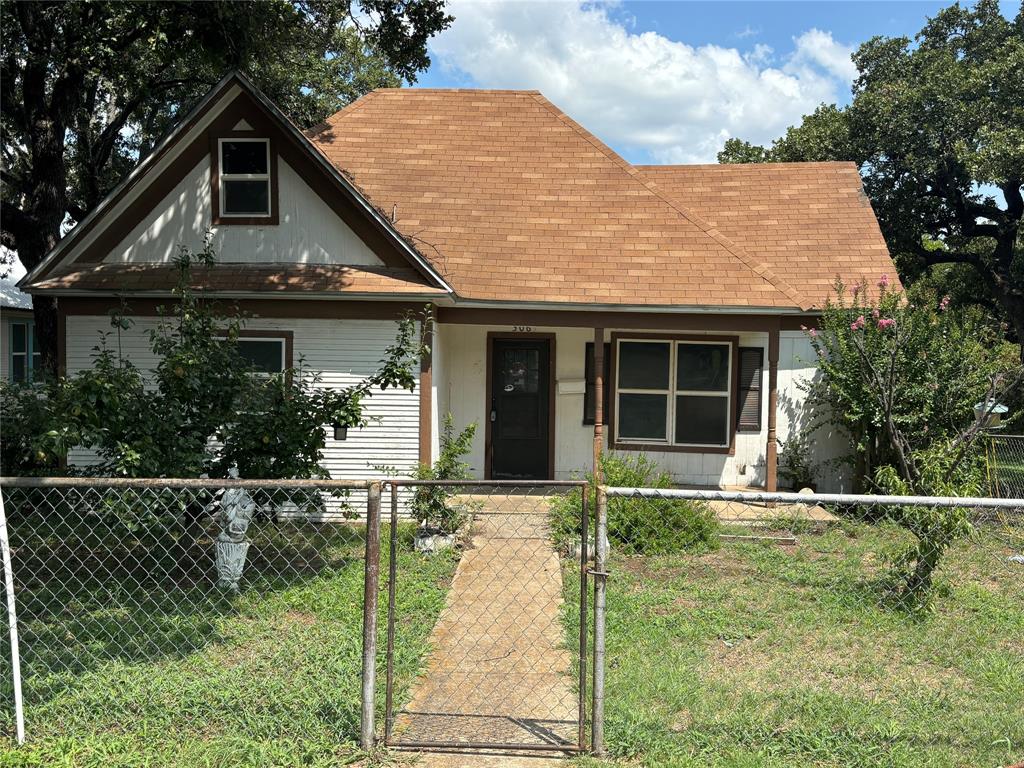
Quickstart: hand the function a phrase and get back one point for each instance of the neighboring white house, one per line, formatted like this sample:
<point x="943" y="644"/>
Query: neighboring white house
<point x="533" y="243"/>
<point x="18" y="355"/>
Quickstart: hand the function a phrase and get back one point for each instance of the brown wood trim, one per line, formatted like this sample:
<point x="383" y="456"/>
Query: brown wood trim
<point x="426" y="443"/>
<point x="265" y="308"/>
<point x="62" y="339"/>
<point x="599" y="414"/>
<point x="772" y="446"/>
<point x="791" y="323"/>
<point x="730" y="450"/>
<point x="216" y="218"/>
<point x="565" y="318"/>
<point x="552" y="361"/>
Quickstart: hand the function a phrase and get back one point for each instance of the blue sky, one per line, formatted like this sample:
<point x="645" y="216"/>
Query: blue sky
<point x="670" y="81"/>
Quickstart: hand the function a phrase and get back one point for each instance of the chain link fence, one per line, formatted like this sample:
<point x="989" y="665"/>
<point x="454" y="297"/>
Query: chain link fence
<point x="507" y="664"/>
<point x="194" y="607"/>
<point x="828" y="630"/>
<point x="671" y="627"/>
<point x="1004" y="460"/>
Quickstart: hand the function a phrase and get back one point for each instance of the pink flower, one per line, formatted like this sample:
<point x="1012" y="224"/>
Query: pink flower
<point x="884" y="282"/>
<point x="886" y="323"/>
<point x="944" y="304"/>
<point x="812" y="333"/>
<point x="875" y="313"/>
<point x="857" y="324"/>
<point x="856" y="291"/>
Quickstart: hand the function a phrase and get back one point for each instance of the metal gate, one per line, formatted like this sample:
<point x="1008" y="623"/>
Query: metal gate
<point x="506" y="663"/>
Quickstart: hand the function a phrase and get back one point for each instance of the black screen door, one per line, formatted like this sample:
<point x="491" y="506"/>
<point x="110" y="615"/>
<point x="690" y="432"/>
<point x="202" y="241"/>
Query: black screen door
<point x="519" y="412"/>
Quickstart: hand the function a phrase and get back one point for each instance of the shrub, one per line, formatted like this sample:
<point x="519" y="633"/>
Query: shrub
<point x="202" y="411"/>
<point x="432" y="506"/>
<point x="637" y="525"/>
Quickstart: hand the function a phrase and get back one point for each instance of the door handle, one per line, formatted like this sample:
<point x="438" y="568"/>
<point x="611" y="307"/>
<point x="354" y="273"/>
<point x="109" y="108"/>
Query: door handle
<point x="494" y="415"/>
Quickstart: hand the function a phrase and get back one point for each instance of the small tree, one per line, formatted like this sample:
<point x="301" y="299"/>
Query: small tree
<point x="901" y="376"/>
<point x="203" y="410"/>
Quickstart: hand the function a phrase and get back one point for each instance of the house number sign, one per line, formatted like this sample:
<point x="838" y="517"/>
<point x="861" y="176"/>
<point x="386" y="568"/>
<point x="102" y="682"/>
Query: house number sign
<point x="522" y="328"/>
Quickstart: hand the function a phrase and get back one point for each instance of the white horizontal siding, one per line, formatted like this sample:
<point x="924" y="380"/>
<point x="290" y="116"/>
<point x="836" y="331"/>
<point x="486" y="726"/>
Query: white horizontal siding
<point x="308" y="230"/>
<point x="344" y="352"/>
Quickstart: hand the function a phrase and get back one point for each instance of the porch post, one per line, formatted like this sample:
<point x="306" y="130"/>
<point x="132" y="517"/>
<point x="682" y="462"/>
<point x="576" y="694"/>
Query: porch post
<point x="772" y="449"/>
<point x="426" y="390"/>
<point x="598" y="402"/>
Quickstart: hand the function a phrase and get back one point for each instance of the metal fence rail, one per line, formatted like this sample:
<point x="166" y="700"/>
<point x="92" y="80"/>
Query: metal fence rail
<point x="814" y="628"/>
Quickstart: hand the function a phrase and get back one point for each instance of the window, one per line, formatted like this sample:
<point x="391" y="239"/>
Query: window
<point x="751" y="362"/>
<point x="674" y="392"/>
<point x="264" y="355"/>
<point x="24" y="355"/>
<point x="244" y="168"/>
<point x="591" y="382"/>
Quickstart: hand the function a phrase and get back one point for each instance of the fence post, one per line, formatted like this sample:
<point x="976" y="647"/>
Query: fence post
<point x="600" y="590"/>
<point x="371" y="584"/>
<point x="12" y="625"/>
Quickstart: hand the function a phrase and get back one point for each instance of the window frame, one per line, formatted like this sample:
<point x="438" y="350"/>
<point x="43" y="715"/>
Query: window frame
<point x="674" y="340"/>
<point x="287" y="339"/>
<point x="30" y="349"/>
<point x="218" y="179"/>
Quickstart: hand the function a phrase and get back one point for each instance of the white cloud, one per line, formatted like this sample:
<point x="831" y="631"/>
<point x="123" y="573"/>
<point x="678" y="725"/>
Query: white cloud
<point x="647" y="95"/>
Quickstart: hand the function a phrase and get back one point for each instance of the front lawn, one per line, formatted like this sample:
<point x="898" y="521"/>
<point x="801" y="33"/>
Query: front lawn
<point x="764" y="655"/>
<point x="180" y="678"/>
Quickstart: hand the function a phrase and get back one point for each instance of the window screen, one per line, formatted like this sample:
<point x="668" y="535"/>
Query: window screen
<point x="265" y="355"/>
<point x="245" y="177"/>
<point x="674" y="392"/>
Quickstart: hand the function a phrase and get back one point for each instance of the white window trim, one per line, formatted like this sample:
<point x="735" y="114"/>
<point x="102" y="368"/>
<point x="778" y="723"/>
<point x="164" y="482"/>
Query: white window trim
<point x="671" y="394"/>
<point x="225" y="177"/>
<point x="279" y="339"/>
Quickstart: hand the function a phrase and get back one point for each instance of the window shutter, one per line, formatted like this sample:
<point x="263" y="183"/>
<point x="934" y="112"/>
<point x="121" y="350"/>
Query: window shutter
<point x="591" y="383"/>
<point x="749" y="409"/>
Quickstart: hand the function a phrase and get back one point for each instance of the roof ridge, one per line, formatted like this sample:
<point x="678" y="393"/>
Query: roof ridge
<point x="787" y="164"/>
<point x="348" y="109"/>
<point x="760" y="269"/>
<point x="416" y="89"/>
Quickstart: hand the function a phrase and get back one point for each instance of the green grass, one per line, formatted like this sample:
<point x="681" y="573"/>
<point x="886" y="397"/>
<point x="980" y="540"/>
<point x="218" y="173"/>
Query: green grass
<point x="762" y="655"/>
<point x="118" y="677"/>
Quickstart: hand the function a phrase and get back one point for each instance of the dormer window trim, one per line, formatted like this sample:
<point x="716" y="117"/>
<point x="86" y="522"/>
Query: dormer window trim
<point x="219" y="179"/>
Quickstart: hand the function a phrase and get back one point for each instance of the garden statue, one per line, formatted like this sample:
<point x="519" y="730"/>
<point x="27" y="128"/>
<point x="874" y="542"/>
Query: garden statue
<point x="236" y="511"/>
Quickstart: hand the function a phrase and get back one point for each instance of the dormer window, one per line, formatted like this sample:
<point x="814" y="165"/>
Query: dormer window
<point x="245" y="170"/>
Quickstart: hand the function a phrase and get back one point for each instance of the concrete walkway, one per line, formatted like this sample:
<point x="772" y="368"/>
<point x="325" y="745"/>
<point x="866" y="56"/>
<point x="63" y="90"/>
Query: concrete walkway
<point x="499" y="671"/>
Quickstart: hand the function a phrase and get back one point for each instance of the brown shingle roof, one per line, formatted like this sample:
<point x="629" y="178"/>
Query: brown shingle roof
<point x="241" y="278"/>
<point x="808" y="221"/>
<point x="512" y="200"/>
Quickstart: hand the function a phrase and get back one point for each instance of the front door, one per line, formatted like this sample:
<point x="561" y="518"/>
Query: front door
<point x="520" y="404"/>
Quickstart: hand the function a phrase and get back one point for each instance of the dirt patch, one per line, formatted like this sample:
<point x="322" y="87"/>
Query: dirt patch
<point x="867" y="668"/>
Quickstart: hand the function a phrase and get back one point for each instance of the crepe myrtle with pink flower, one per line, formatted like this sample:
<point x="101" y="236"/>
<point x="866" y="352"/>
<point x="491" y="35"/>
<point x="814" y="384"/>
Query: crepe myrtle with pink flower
<point x="900" y="373"/>
<point x="900" y="370"/>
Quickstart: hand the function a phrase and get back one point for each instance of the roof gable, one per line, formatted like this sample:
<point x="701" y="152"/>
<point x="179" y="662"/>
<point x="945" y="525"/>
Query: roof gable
<point x="233" y="105"/>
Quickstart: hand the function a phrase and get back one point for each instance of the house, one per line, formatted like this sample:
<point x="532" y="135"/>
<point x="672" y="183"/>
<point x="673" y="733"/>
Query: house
<point x="546" y="258"/>
<point x="18" y="357"/>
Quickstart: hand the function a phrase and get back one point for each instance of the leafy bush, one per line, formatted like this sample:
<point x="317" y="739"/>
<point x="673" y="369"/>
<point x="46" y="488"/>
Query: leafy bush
<point x="432" y="506"/>
<point x="637" y="525"/>
<point x="795" y="464"/>
<point x="901" y="375"/>
<point x="202" y="411"/>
